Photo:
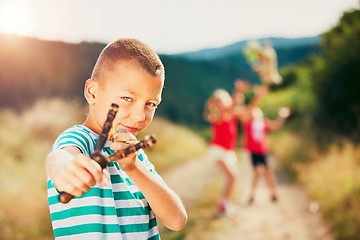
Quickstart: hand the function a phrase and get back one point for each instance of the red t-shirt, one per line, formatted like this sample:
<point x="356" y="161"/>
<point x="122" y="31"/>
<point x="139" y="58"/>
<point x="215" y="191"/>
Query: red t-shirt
<point x="224" y="134"/>
<point x="255" y="136"/>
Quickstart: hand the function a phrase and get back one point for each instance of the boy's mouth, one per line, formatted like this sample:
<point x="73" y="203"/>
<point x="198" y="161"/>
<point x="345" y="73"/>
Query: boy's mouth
<point x="132" y="129"/>
<point x="126" y="129"/>
<point x="120" y="130"/>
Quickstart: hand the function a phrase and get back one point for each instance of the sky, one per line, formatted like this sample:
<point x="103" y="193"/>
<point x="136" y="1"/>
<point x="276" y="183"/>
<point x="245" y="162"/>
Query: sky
<point x="170" y="26"/>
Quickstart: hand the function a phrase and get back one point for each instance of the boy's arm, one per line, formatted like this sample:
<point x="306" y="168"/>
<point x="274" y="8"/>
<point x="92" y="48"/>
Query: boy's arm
<point x="246" y="111"/>
<point x="260" y="92"/>
<point x="165" y="203"/>
<point x="211" y="113"/>
<point x="283" y="114"/>
<point x="240" y="88"/>
<point x="73" y="172"/>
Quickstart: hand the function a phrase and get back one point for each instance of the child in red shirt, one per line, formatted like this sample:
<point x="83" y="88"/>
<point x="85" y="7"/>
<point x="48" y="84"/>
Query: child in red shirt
<point x="255" y="141"/>
<point x="224" y="111"/>
<point x="222" y="144"/>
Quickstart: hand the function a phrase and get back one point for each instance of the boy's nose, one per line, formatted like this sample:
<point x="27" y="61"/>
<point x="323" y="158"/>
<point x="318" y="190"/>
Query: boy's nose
<point x="138" y="113"/>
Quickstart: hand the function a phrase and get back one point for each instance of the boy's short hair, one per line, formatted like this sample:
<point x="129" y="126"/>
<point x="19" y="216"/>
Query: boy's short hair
<point x="224" y="96"/>
<point x="129" y="50"/>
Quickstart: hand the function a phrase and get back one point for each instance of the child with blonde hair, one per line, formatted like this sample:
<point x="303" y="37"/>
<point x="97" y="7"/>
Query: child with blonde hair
<point x="223" y="111"/>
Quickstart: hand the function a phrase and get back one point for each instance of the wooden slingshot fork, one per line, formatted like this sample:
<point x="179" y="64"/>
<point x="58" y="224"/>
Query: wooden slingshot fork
<point x="147" y="141"/>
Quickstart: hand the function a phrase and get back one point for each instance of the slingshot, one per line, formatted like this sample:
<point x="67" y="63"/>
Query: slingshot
<point x="147" y="141"/>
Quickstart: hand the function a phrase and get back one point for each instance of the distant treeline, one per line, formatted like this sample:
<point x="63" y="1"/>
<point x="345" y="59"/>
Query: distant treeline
<point x="32" y="69"/>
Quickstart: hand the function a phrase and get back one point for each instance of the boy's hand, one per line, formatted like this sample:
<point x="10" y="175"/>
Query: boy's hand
<point x="242" y="86"/>
<point x="284" y="112"/>
<point x="128" y="162"/>
<point x="75" y="175"/>
<point x="261" y="91"/>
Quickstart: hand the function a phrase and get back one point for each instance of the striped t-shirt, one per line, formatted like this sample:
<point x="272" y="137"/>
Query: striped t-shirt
<point x="117" y="211"/>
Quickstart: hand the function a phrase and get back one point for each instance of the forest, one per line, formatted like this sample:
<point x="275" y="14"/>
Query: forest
<point x="62" y="68"/>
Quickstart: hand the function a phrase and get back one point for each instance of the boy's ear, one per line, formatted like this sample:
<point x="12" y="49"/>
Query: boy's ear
<point x="90" y="90"/>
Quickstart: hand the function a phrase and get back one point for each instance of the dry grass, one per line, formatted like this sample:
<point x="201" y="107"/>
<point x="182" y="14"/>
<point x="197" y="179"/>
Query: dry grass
<point x="26" y="139"/>
<point x="175" y="144"/>
<point x="331" y="178"/>
<point x="334" y="180"/>
<point x="288" y="149"/>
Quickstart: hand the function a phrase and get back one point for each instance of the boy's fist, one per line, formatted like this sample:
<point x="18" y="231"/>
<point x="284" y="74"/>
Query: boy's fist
<point x="284" y="112"/>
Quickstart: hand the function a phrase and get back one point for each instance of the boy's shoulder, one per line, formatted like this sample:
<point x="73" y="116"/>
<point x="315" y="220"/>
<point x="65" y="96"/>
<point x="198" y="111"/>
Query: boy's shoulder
<point x="78" y="136"/>
<point x="81" y="129"/>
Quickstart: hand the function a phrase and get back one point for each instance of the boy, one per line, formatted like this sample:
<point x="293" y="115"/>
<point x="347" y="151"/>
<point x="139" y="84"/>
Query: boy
<point x="255" y="142"/>
<point x="223" y="112"/>
<point x="122" y="201"/>
<point x="219" y="112"/>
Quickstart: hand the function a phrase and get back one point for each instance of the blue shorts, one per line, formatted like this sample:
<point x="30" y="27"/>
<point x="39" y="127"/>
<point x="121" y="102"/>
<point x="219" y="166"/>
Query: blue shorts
<point x="259" y="159"/>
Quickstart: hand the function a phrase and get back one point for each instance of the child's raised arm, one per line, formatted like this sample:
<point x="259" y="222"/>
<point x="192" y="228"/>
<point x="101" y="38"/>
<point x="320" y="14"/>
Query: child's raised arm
<point x="245" y="112"/>
<point x="283" y="114"/>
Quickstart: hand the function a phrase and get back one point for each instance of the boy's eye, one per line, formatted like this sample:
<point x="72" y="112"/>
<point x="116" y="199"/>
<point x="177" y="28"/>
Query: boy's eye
<point x="128" y="99"/>
<point x="151" y="104"/>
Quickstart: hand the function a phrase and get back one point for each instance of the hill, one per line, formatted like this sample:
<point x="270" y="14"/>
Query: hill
<point x="279" y="44"/>
<point x="32" y="69"/>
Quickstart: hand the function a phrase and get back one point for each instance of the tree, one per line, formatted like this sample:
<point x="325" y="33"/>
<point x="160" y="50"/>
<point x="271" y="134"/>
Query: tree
<point x="337" y="82"/>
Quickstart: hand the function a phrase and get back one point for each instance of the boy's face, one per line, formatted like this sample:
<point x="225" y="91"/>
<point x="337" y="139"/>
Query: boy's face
<point x="135" y="91"/>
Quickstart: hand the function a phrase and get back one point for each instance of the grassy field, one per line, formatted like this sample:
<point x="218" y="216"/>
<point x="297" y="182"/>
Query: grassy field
<point x="331" y="177"/>
<point x="26" y="139"/>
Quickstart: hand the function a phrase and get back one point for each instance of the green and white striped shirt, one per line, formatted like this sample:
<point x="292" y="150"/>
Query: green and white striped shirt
<point x="117" y="211"/>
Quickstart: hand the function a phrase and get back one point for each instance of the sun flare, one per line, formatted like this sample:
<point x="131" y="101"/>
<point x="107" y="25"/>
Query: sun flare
<point x="14" y="18"/>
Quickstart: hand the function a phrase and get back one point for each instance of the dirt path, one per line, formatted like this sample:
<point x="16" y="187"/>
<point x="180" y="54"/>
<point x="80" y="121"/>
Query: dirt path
<point x="293" y="217"/>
